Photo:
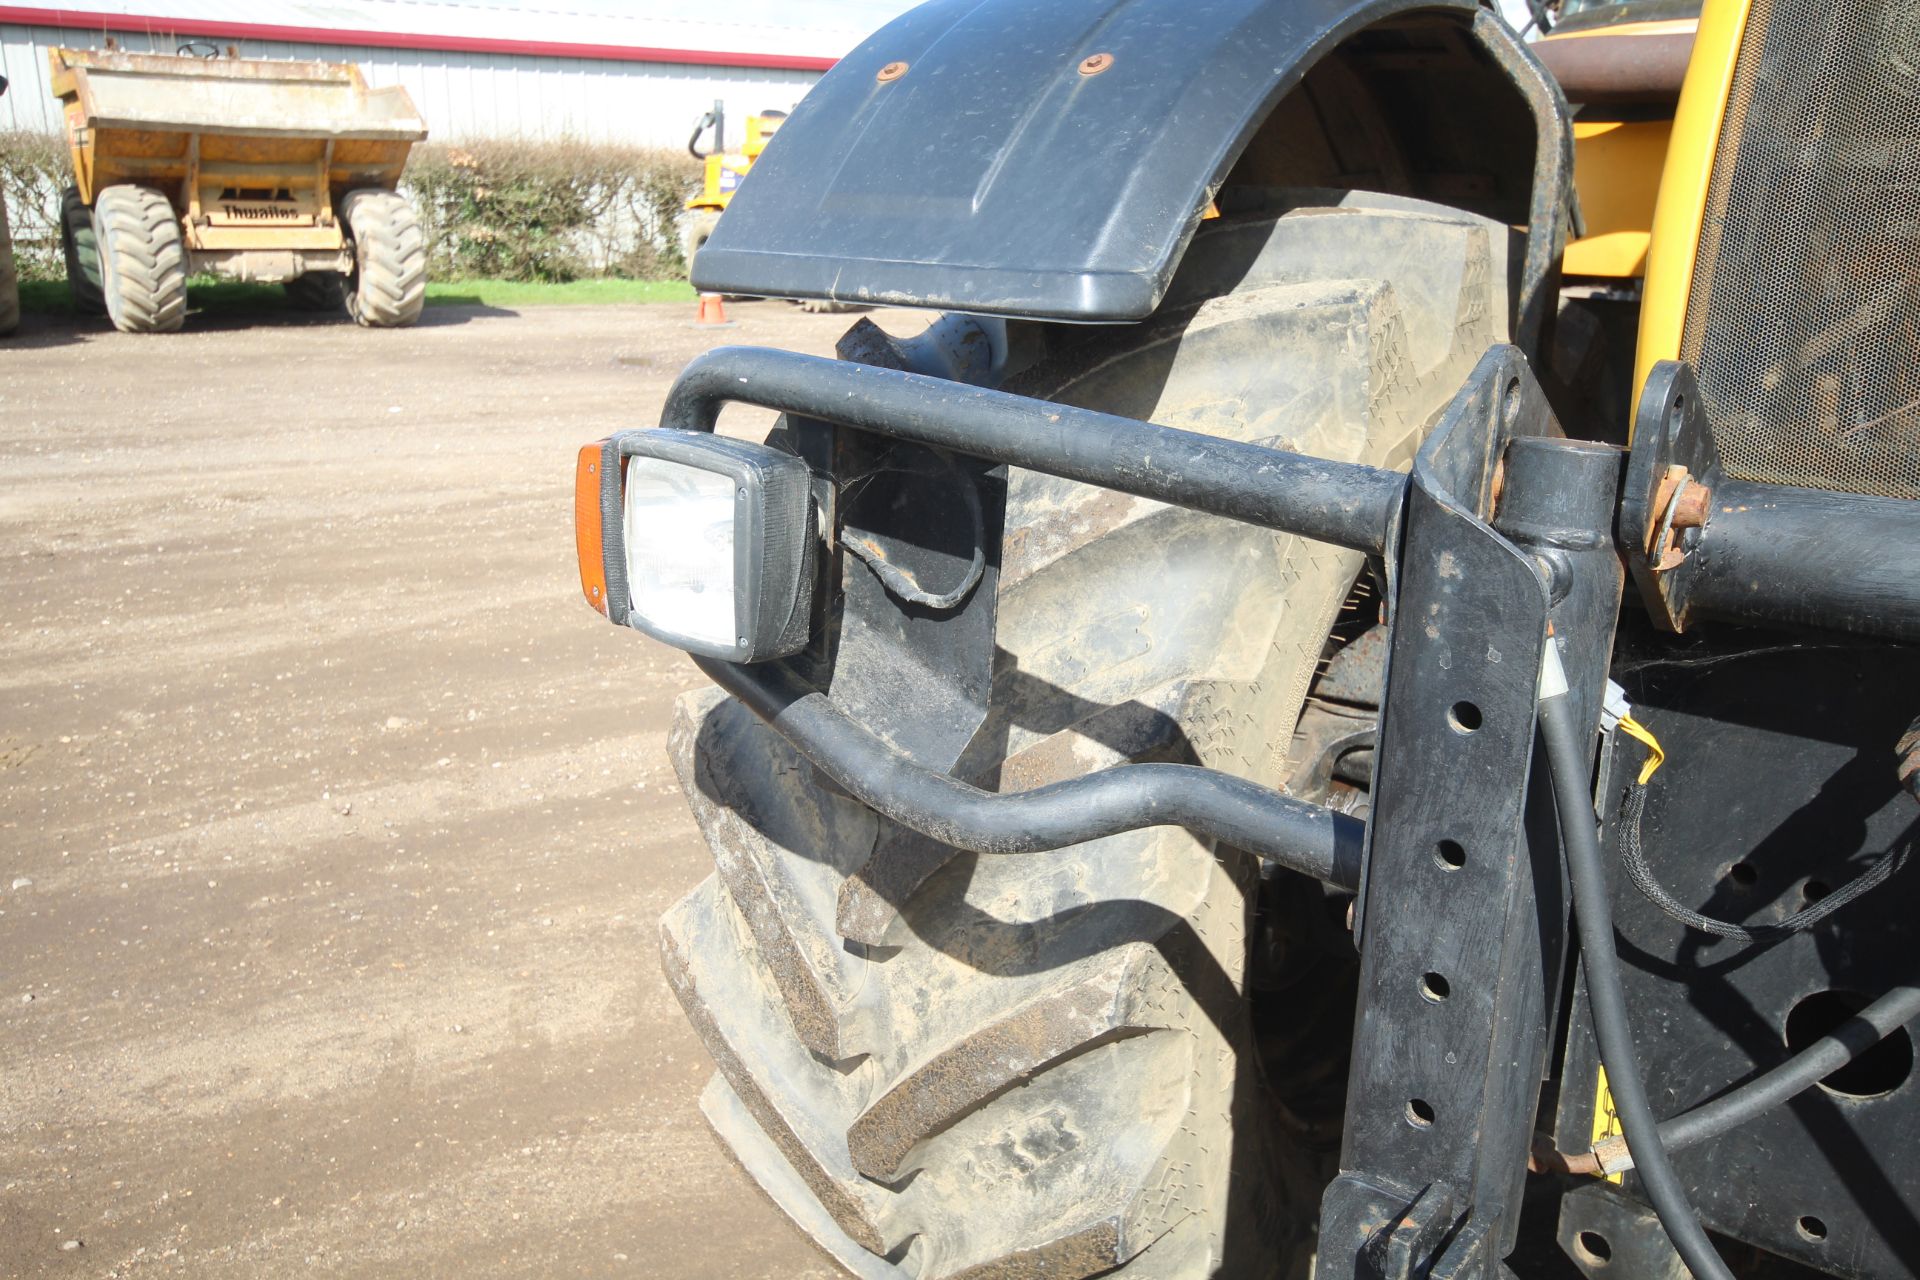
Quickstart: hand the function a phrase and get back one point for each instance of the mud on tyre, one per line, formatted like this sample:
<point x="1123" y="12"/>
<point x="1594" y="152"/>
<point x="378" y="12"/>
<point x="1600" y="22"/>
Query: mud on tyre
<point x="943" y="1065"/>
<point x="143" y="260"/>
<point x="388" y="287"/>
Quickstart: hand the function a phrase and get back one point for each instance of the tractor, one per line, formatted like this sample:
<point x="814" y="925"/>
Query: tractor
<point x="1346" y="707"/>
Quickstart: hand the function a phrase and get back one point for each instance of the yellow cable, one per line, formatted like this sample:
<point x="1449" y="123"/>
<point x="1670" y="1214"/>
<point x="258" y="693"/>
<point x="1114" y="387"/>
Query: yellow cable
<point x="1643" y="735"/>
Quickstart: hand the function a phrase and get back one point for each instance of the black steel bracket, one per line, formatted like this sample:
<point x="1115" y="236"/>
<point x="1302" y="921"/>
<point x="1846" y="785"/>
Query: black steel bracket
<point x="1463" y="911"/>
<point x="1672" y="451"/>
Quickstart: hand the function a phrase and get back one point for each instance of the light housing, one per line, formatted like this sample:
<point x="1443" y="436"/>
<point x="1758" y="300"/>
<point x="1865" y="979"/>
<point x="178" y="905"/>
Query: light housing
<point x="703" y="542"/>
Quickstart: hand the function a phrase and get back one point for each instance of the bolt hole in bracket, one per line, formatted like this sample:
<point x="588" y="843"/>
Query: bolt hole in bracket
<point x="1462" y="907"/>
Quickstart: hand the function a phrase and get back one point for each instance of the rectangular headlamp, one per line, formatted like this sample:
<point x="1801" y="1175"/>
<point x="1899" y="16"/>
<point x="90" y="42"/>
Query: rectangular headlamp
<point x="703" y="542"/>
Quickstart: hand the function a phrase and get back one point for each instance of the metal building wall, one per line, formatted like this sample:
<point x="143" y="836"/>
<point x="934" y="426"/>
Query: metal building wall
<point x="465" y="95"/>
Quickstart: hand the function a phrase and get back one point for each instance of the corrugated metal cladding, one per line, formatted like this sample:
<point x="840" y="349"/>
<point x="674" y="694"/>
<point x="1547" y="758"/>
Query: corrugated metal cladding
<point x="620" y="72"/>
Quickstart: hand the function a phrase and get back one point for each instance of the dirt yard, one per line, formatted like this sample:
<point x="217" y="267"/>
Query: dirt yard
<point x="333" y="824"/>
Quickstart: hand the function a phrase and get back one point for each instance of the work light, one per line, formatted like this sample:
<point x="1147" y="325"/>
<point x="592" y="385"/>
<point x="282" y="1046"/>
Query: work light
<point x="712" y="550"/>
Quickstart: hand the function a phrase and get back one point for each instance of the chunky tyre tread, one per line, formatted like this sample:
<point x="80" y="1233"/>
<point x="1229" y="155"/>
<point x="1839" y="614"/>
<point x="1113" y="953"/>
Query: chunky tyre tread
<point x="80" y="246"/>
<point x="693" y="936"/>
<point x="389" y="285"/>
<point x="945" y="1066"/>
<point x="761" y="1160"/>
<point x="787" y="902"/>
<point x="965" y="1076"/>
<point x="143" y="259"/>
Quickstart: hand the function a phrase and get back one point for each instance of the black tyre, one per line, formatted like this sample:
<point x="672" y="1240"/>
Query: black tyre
<point x="81" y="248"/>
<point x="9" y="278"/>
<point x="322" y="291"/>
<point x="696" y="227"/>
<point x="143" y="261"/>
<point x="943" y="1065"/>
<point x="389" y="283"/>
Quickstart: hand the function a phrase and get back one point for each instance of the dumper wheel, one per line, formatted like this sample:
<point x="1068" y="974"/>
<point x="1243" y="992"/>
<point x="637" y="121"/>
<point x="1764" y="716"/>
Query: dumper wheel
<point x="389" y="283"/>
<point x="9" y="278"/>
<point x="317" y="291"/>
<point x="81" y="249"/>
<point x="143" y="262"/>
<point x="696" y="228"/>
<point x="943" y="1065"/>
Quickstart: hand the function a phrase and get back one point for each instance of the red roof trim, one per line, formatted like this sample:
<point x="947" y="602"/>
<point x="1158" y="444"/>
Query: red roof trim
<point x="79" y="20"/>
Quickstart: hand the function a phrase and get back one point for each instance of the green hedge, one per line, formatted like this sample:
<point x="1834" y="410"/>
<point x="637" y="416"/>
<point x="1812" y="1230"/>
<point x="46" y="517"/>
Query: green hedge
<point x="503" y="210"/>
<point x="34" y="171"/>
<point x="551" y="211"/>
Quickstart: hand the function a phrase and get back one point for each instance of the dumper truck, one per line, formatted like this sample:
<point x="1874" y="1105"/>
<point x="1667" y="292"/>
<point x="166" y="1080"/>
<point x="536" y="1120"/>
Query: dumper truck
<point x="1302" y="726"/>
<point x="251" y="169"/>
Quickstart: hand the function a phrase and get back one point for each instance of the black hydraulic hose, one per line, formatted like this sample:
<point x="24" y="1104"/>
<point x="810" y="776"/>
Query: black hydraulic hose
<point x="1345" y="503"/>
<point x="1303" y="837"/>
<point x="1763" y="1093"/>
<point x="1818" y="1060"/>
<point x="1593" y="912"/>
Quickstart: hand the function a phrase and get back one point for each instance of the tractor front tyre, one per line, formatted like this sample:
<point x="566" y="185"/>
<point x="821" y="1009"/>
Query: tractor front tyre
<point x="80" y="246"/>
<point x="318" y="291"/>
<point x="945" y="1066"/>
<point x="388" y="287"/>
<point x="143" y="260"/>
<point x="9" y="278"/>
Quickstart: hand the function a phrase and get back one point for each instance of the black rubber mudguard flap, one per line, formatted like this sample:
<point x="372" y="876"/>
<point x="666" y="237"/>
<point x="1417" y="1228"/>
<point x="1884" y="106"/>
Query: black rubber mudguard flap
<point x="1041" y="158"/>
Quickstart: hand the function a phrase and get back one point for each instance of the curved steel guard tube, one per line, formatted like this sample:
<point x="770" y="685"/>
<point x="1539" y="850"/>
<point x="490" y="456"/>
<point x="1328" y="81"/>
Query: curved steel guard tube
<point x="1302" y="837"/>
<point x="1339" y="502"/>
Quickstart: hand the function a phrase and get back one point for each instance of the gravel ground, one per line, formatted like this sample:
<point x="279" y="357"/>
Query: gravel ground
<point x="333" y="825"/>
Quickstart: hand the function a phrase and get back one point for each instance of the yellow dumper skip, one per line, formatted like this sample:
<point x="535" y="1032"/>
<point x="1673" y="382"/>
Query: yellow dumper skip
<point x="259" y="160"/>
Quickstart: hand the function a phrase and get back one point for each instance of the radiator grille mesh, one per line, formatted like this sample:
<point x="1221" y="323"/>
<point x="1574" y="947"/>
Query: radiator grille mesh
<point x="1804" y="319"/>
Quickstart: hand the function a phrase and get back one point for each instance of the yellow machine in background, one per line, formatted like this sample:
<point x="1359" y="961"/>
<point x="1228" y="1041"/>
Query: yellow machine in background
<point x="725" y="170"/>
<point x="252" y="169"/>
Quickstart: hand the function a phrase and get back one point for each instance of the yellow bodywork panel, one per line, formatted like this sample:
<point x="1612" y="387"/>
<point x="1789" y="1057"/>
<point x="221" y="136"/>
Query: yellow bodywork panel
<point x="725" y="172"/>
<point x="1683" y="184"/>
<point x="1616" y="170"/>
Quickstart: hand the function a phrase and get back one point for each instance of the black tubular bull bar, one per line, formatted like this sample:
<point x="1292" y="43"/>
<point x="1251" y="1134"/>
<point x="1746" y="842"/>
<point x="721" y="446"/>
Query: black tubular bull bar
<point x="1308" y="838"/>
<point x="1342" y="503"/>
<point x="1496" y="540"/>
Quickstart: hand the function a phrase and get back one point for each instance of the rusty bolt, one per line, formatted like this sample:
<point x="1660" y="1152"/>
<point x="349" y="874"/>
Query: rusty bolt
<point x="1691" y="511"/>
<point x="1094" y="64"/>
<point x="892" y="71"/>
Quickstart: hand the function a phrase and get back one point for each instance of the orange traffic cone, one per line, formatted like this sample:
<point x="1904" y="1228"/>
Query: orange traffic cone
<point x="712" y="313"/>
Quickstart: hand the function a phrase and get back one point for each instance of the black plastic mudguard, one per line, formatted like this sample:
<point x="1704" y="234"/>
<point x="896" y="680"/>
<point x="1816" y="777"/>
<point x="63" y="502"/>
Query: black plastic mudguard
<point x="1044" y="158"/>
